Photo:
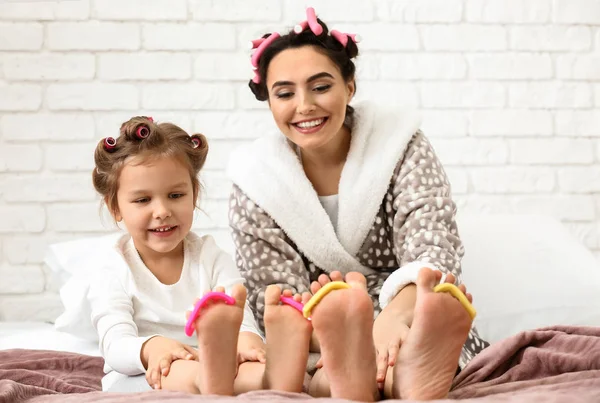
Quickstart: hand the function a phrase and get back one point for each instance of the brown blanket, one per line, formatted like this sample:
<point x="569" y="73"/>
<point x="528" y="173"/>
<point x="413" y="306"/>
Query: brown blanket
<point x="28" y="373"/>
<point x="559" y="364"/>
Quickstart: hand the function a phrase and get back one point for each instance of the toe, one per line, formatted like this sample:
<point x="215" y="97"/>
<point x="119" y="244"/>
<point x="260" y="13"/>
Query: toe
<point x="272" y="294"/>
<point x="315" y="286"/>
<point x="324" y="279"/>
<point x="427" y="279"/>
<point x="356" y="279"/>
<point x="239" y="293"/>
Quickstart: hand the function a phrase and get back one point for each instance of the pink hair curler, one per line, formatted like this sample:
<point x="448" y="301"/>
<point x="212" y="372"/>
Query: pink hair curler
<point x="300" y="27"/>
<point x="142" y="132"/>
<point x="311" y="21"/>
<point x="109" y="144"/>
<point x="211" y="296"/>
<point x="292" y="302"/>
<point x="196" y="142"/>
<point x="258" y="53"/>
<point x="343" y="37"/>
<point x="314" y="25"/>
<point x="150" y="118"/>
<point x="256" y="43"/>
<point x="256" y="78"/>
<point x="260" y="49"/>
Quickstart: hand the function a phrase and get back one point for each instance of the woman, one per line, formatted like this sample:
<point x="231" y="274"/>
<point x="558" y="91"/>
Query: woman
<point x="350" y="189"/>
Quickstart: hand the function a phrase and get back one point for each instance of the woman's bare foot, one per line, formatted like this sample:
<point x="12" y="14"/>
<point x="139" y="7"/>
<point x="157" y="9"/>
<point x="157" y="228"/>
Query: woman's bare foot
<point x="288" y="338"/>
<point x="343" y="323"/>
<point x="324" y="279"/>
<point x="218" y="328"/>
<point x="428" y="359"/>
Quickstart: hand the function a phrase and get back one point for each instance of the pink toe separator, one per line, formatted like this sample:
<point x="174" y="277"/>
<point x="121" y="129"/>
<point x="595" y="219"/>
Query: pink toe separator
<point x="211" y="296"/>
<point x="291" y="302"/>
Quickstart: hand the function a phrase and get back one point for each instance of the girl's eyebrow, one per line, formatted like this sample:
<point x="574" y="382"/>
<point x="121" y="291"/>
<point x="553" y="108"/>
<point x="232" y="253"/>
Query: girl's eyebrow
<point x="142" y="191"/>
<point x="310" y="79"/>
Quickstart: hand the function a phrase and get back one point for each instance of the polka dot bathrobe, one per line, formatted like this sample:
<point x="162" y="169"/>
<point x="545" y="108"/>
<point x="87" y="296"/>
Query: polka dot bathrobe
<point x="395" y="216"/>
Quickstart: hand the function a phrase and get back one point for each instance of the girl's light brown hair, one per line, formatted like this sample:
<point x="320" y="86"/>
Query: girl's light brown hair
<point x="161" y="140"/>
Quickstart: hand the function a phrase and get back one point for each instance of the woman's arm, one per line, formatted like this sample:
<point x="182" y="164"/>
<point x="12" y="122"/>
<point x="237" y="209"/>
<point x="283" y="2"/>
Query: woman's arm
<point x="424" y="226"/>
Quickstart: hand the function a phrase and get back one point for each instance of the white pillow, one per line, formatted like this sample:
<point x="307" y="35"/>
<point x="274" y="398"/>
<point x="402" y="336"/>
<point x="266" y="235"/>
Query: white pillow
<point x="526" y="272"/>
<point x="72" y="262"/>
<point x="42" y="336"/>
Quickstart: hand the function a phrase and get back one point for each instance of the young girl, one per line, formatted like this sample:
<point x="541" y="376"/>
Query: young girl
<point x="148" y="178"/>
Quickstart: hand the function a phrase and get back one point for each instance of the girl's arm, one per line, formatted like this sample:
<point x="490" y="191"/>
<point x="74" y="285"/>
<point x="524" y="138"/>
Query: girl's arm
<point x="112" y="317"/>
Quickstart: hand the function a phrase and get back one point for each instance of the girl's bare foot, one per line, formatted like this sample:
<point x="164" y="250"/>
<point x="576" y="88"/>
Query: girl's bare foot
<point x="288" y="337"/>
<point x="218" y="328"/>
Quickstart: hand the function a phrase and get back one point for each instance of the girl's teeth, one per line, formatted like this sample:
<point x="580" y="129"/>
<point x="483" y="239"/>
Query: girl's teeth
<point x="306" y="125"/>
<point x="163" y="229"/>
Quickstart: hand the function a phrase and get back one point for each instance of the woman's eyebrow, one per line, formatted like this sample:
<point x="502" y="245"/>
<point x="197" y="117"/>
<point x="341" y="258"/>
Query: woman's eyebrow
<point x="310" y="79"/>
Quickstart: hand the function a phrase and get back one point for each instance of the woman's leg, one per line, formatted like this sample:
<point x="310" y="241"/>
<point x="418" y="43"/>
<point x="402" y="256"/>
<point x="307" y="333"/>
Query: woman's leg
<point x="428" y="358"/>
<point x="343" y="324"/>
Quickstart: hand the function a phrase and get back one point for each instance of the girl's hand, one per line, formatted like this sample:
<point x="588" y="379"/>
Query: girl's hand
<point x="252" y="354"/>
<point x="161" y="352"/>
<point x="251" y="348"/>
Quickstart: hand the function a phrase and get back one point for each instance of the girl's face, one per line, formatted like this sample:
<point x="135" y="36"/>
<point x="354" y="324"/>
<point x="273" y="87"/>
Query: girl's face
<point x="156" y="202"/>
<point x="307" y="96"/>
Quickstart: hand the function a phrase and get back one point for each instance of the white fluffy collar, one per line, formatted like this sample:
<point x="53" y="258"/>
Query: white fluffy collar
<point x="270" y="173"/>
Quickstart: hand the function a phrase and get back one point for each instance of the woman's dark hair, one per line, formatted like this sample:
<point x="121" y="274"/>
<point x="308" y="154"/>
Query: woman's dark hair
<point x="328" y="45"/>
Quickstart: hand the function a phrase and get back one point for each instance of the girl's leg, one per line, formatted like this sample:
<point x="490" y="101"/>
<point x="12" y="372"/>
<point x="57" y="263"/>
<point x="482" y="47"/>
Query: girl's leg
<point x="288" y="336"/>
<point x="217" y="329"/>
<point x="182" y="377"/>
<point x="250" y="377"/>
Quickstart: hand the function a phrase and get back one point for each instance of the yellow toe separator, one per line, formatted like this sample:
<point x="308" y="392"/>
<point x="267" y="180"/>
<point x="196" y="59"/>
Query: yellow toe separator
<point x="319" y="295"/>
<point x="456" y="293"/>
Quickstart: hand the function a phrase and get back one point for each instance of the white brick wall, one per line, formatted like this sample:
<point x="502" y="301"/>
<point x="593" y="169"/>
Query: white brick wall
<point x="509" y="90"/>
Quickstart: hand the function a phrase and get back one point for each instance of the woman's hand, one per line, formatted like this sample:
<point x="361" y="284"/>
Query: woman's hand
<point x="389" y="332"/>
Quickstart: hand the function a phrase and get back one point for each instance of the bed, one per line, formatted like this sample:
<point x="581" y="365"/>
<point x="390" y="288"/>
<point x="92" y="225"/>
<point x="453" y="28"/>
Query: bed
<point x="536" y="290"/>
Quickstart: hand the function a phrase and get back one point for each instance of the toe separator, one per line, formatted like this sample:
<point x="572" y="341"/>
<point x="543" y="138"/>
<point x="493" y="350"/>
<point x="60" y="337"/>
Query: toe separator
<point x="456" y="293"/>
<point x="213" y="295"/>
<point x="319" y="295"/>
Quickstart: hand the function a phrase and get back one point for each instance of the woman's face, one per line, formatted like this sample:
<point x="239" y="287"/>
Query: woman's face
<point x="307" y="96"/>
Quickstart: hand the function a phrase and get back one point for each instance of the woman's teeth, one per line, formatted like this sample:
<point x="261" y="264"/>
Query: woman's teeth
<point x="309" y="124"/>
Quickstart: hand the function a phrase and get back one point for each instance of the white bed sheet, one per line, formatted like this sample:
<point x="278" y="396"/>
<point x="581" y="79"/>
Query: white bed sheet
<point x="42" y="336"/>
